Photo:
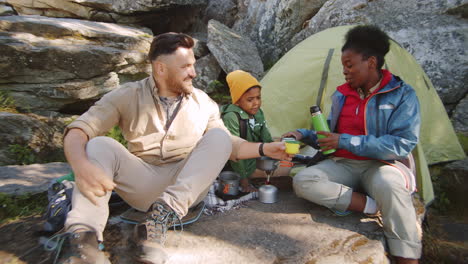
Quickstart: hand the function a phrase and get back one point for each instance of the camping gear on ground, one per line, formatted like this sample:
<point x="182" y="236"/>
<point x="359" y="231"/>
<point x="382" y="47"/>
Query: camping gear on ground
<point x="319" y="123"/>
<point x="215" y="203"/>
<point x="309" y="160"/>
<point x="229" y="183"/>
<point x="311" y="71"/>
<point x="59" y="195"/>
<point x="133" y="216"/>
<point x="266" y="164"/>
<point x="267" y="193"/>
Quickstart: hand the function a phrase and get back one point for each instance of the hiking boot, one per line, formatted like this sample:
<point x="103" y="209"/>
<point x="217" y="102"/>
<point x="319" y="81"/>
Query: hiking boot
<point x="150" y="235"/>
<point x="76" y="248"/>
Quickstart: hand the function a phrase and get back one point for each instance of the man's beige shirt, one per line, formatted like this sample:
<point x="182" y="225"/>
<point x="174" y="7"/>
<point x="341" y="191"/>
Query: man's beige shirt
<point x="136" y="108"/>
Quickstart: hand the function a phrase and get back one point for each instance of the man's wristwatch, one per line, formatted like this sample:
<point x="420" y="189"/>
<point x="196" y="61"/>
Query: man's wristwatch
<point x="260" y="150"/>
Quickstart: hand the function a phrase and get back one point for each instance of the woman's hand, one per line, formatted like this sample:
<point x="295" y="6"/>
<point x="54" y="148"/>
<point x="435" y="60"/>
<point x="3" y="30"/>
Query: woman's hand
<point x="331" y="141"/>
<point x="294" y="134"/>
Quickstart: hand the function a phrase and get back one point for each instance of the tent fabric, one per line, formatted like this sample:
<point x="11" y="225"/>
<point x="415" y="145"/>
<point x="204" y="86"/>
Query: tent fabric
<point x="309" y="74"/>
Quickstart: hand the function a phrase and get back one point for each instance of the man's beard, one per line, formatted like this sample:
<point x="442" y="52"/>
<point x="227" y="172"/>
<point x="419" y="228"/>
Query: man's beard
<point x="180" y="87"/>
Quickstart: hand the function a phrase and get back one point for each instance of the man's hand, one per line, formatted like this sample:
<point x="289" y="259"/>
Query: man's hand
<point x="276" y="150"/>
<point x="92" y="181"/>
<point x="295" y="134"/>
<point x="330" y="142"/>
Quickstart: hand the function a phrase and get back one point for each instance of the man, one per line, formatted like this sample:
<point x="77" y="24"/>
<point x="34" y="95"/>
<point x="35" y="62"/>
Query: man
<point x="177" y="145"/>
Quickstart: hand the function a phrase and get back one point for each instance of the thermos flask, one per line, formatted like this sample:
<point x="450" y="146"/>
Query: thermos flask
<point x="320" y="124"/>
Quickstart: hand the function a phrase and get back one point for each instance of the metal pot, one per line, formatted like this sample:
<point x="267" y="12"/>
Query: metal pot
<point x="267" y="164"/>
<point x="268" y="194"/>
<point x="229" y="183"/>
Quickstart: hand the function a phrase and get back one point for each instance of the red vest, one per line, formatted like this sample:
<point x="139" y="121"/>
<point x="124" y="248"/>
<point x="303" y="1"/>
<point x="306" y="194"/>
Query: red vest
<point x="352" y="117"/>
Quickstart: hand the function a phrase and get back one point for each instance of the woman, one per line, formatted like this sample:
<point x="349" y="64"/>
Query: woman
<point x="375" y="123"/>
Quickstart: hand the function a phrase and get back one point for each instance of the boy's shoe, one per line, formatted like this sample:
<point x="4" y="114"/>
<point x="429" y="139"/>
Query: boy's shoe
<point x="150" y="235"/>
<point x="76" y="248"/>
<point x="340" y="213"/>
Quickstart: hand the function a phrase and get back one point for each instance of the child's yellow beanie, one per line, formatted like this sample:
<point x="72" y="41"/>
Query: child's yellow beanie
<point x="239" y="82"/>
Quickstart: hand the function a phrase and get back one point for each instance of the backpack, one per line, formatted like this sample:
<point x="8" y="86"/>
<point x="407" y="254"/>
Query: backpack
<point x="59" y="195"/>
<point x="242" y="122"/>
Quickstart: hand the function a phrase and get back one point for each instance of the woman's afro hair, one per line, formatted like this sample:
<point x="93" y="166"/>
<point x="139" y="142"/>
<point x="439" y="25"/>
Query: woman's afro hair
<point x="368" y="40"/>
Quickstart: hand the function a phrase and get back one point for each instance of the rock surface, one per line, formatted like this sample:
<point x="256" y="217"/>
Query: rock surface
<point x="29" y="138"/>
<point x="272" y="24"/>
<point x="49" y="63"/>
<point x="121" y="11"/>
<point x="460" y="116"/>
<point x="290" y="231"/>
<point x="232" y="50"/>
<point x="35" y="178"/>
<point x="208" y="70"/>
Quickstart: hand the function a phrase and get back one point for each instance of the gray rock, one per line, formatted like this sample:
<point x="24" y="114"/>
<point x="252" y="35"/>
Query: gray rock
<point x="224" y="11"/>
<point x="272" y="24"/>
<point x="98" y="10"/>
<point x="35" y="178"/>
<point x="200" y="49"/>
<point x="460" y="116"/>
<point x="6" y="10"/>
<point x="208" y="70"/>
<point x="49" y="63"/>
<point x="232" y="50"/>
<point x="437" y="40"/>
<point x="34" y="137"/>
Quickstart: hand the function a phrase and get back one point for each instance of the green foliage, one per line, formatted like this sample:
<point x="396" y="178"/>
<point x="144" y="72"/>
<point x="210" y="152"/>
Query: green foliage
<point x="13" y="207"/>
<point x="220" y="92"/>
<point x="23" y="155"/>
<point x="116" y="134"/>
<point x="269" y="64"/>
<point x="7" y="104"/>
<point x="216" y="86"/>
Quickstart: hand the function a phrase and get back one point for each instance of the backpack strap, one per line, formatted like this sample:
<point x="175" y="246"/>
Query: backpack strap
<point x="242" y="122"/>
<point x="242" y="126"/>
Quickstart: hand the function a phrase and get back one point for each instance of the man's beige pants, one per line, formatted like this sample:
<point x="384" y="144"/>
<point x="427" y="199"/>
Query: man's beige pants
<point x="180" y="184"/>
<point x="331" y="182"/>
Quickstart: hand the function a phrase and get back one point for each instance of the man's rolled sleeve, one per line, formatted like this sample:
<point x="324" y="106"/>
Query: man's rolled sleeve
<point x="99" y="119"/>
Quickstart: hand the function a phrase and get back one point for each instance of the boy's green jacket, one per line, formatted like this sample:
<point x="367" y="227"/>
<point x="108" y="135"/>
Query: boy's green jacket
<point x="257" y="131"/>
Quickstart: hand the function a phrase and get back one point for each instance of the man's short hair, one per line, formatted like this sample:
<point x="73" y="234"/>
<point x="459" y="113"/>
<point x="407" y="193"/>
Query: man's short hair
<point x="167" y="43"/>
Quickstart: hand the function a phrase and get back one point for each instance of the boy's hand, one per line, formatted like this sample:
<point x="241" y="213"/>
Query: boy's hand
<point x="276" y="150"/>
<point x="294" y="134"/>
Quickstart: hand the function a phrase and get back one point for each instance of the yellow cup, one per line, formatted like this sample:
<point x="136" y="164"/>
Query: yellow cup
<point x="292" y="147"/>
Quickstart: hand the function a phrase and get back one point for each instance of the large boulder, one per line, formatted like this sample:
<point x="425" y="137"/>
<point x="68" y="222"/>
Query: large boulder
<point x="49" y="63"/>
<point x="208" y="70"/>
<point x="6" y="10"/>
<point x="29" y="138"/>
<point x="98" y="10"/>
<point x="224" y="11"/>
<point x="30" y="179"/>
<point x="426" y="29"/>
<point x="232" y="50"/>
<point x="272" y="24"/>
<point x="460" y="116"/>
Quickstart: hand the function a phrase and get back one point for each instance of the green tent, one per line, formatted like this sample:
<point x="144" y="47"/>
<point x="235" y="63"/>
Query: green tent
<point x="309" y="74"/>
